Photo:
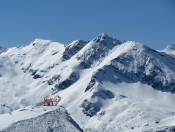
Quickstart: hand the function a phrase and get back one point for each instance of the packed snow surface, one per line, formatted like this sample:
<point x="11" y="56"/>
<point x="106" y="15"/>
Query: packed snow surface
<point x="35" y="119"/>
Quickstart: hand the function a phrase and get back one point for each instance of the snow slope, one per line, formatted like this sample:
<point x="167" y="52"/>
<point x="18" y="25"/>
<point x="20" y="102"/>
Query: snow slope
<point x="32" y="119"/>
<point x="105" y="84"/>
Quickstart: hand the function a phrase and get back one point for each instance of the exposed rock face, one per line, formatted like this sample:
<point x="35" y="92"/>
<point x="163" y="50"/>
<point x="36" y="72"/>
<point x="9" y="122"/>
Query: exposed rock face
<point x="73" y="48"/>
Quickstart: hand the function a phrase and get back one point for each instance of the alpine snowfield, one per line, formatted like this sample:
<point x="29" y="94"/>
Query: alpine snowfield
<point x="105" y="85"/>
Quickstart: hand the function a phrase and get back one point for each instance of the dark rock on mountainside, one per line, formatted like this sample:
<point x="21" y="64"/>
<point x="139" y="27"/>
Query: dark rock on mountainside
<point x="99" y="49"/>
<point x="68" y="82"/>
<point x="54" y="79"/>
<point x="155" y="78"/>
<point x="103" y="94"/>
<point x="89" y="108"/>
<point x="73" y="48"/>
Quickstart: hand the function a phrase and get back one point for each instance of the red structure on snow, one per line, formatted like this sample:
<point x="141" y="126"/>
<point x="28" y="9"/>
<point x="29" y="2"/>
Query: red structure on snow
<point x="49" y="101"/>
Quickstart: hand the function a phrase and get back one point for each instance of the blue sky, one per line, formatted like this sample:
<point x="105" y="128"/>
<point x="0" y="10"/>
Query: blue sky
<point x="151" y="22"/>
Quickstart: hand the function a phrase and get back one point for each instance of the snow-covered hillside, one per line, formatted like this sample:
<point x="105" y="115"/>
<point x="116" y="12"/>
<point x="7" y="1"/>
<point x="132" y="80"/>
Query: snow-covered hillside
<point x="105" y="85"/>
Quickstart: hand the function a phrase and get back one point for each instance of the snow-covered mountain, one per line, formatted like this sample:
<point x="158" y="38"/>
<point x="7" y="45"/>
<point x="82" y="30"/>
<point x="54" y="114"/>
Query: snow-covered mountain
<point x="170" y="49"/>
<point x="105" y="85"/>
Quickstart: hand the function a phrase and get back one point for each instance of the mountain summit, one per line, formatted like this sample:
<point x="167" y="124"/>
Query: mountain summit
<point x="170" y="49"/>
<point x="104" y="84"/>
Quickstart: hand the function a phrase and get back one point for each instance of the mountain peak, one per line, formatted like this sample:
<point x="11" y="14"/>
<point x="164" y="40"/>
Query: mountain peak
<point x="40" y="41"/>
<point x="135" y="45"/>
<point x="44" y="42"/>
<point x="170" y="47"/>
<point x="103" y="36"/>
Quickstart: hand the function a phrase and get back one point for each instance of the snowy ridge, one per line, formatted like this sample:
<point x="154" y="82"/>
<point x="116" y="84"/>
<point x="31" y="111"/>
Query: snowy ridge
<point x="105" y="85"/>
<point x="73" y="48"/>
<point x="170" y="49"/>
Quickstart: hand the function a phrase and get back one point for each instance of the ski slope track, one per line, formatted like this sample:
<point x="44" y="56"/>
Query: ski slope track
<point x="105" y="85"/>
